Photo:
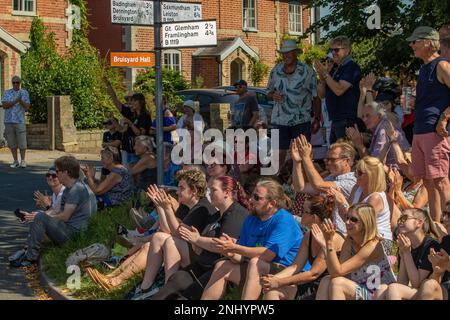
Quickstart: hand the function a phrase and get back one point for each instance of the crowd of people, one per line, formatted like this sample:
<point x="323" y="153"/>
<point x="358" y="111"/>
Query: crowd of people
<point x="369" y="222"/>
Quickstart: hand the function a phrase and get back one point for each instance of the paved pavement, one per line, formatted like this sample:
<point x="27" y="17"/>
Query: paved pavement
<point x="16" y="191"/>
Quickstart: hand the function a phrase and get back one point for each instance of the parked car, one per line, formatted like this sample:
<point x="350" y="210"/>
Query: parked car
<point x="265" y="106"/>
<point x="207" y="96"/>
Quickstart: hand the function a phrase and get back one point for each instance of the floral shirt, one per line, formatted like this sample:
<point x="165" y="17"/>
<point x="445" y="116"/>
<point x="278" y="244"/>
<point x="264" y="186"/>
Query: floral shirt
<point x="16" y="114"/>
<point x="298" y="89"/>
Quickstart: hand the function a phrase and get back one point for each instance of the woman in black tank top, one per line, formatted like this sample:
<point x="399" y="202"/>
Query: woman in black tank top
<point x="302" y="278"/>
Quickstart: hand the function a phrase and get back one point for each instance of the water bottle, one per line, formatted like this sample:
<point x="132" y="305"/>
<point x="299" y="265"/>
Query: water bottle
<point x="407" y="93"/>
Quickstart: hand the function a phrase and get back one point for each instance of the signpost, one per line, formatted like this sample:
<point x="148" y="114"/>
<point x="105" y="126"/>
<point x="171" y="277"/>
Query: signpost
<point x="140" y="12"/>
<point x="189" y="34"/>
<point x="132" y="59"/>
<point x="182" y="28"/>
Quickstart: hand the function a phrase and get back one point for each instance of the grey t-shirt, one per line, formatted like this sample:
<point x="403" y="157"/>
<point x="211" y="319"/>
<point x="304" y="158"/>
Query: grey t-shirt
<point x="86" y="204"/>
<point x="243" y="110"/>
<point x="345" y="182"/>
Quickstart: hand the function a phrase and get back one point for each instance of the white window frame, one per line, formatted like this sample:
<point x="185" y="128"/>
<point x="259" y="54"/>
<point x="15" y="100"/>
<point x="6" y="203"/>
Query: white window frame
<point x="24" y="12"/>
<point x="171" y="65"/>
<point x="246" y="9"/>
<point x="294" y="15"/>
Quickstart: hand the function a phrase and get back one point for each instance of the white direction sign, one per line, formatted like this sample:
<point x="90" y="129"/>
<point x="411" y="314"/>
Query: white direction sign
<point x="189" y="34"/>
<point x="140" y="12"/>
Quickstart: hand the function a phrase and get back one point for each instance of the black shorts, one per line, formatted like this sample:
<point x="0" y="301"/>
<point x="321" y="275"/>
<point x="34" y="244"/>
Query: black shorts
<point x="288" y="133"/>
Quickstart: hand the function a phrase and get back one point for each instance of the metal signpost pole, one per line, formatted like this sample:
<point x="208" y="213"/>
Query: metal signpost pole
<point x="158" y="90"/>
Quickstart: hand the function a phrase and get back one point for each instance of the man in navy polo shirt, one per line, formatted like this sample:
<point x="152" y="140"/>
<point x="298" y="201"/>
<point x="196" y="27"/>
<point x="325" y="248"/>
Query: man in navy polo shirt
<point x="339" y="84"/>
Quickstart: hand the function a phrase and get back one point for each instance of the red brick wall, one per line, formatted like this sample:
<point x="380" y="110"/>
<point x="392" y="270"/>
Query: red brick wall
<point x="208" y="68"/>
<point x="19" y="25"/>
<point x="228" y="14"/>
<point x="103" y="34"/>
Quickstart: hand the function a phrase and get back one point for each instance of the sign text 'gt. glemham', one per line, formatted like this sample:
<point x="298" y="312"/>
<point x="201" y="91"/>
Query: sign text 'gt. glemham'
<point x="189" y="34"/>
<point x="139" y="12"/>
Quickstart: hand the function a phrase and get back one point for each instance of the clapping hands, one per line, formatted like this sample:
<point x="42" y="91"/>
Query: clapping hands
<point x="354" y="135"/>
<point x="404" y="244"/>
<point x="89" y="171"/>
<point x="325" y="233"/>
<point x="225" y="244"/>
<point x="440" y="261"/>
<point x="161" y="199"/>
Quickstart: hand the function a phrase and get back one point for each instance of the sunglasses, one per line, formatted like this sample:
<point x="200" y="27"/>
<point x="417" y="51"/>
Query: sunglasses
<point x="352" y="219"/>
<point x="15" y="82"/>
<point x="48" y="175"/>
<point x="404" y="218"/>
<point x="359" y="173"/>
<point x="332" y="159"/>
<point x="256" y="197"/>
<point x="336" y="50"/>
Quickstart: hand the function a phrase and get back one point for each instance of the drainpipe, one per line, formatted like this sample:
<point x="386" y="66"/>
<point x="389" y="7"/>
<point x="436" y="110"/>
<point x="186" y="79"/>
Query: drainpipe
<point x="220" y="71"/>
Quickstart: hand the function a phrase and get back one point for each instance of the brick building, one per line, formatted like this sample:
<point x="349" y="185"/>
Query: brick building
<point x="16" y="17"/>
<point x="246" y="29"/>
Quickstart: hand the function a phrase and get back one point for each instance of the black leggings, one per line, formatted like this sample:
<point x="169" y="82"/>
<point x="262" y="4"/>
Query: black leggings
<point x="185" y="284"/>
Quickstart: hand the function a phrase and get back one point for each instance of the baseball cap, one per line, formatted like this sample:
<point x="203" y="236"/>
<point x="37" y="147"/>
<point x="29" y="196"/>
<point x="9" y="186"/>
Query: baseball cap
<point x="52" y="170"/>
<point x="426" y="33"/>
<point x="190" y="104"/>
<point x="240" y="82"/>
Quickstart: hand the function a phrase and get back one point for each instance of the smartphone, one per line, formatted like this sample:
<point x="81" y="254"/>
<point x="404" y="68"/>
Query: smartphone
<point x="19" y="214"/>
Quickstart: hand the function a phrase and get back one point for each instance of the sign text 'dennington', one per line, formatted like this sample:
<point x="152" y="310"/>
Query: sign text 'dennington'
<point x="139" y="12"/>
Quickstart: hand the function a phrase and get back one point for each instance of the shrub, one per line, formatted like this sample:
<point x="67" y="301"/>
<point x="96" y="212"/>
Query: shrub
<point x="78" y="74"/>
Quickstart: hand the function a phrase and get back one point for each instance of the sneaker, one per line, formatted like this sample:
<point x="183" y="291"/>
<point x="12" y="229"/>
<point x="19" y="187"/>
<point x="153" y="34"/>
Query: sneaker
<point x="141" y="294"/>
<point x="17" y="255"/>
<point x="23" y="164"/>
<point x="22" y="262"/>
<point x="15" y="164"/>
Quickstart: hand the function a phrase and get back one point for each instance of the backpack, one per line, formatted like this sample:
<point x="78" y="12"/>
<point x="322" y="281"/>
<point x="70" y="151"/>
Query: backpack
<point x="93" y="254"/>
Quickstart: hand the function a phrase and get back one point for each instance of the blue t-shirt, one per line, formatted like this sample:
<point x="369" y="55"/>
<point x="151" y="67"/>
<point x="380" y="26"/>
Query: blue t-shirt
<point x="169" y="175"/>
<point x="280" y="234"/>
<point x="344" y="106"/>
<point x="167" y="122"/>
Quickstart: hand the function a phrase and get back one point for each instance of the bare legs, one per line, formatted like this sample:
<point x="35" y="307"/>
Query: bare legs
<point x="164" y="248"/>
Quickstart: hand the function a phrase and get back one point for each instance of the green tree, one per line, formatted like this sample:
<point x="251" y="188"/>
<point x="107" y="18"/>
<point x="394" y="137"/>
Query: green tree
<point x="258" y="71"/>
<point x="387" y="47"/>
<point x="172" y="82"/>
<point x="78" y="74"/>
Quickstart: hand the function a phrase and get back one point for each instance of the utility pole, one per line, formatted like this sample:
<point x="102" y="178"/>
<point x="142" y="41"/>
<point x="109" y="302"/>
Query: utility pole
<point x="159" y="92"/>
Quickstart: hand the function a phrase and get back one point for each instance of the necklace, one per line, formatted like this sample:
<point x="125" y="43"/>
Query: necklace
<point x="289" y="73"/>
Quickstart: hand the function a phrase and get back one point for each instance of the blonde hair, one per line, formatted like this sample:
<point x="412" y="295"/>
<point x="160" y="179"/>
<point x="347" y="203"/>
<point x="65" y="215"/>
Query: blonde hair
<point x="194" y="179"/>
<point x="435" y="45"/>
<point x="347" y="150"/>
<point x="275" y="192"/>
<point x="376" y="176"/>
<point x="428" y="226"/>
<point x="367" y="216"/>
